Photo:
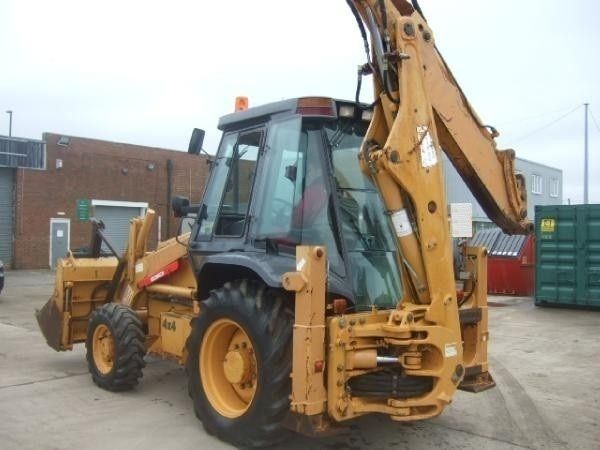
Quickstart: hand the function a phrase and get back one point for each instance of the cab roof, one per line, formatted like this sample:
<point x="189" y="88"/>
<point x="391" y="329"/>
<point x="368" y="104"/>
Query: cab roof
<point x="319" y="107"/>
<point x="257" y="112"/>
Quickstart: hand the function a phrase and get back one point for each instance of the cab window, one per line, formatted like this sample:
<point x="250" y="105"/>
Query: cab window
<point x="296" y="204"/>
<point x="238" y="189"/>
<point x="283" y="184"/>
<point x="216" y="184"/>
<point x="228" y="194"/>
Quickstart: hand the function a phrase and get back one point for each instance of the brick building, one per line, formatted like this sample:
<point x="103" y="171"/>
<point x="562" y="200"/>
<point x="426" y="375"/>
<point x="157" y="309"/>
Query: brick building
<point x="88" y="177"/>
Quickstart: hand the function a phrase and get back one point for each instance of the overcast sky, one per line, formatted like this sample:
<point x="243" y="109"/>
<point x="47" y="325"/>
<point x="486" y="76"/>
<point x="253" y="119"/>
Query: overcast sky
<point x="148" y="72"/>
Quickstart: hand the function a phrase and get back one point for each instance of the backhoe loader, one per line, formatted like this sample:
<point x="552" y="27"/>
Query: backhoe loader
<point x="318" y="282"/>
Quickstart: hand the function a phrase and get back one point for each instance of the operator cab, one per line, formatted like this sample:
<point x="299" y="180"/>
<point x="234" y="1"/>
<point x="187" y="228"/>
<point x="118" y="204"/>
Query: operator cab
<point x="287" y="174"/>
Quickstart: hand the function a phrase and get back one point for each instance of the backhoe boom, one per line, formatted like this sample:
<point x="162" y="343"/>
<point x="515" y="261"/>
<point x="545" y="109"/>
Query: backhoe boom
<point x="404" y="46"/>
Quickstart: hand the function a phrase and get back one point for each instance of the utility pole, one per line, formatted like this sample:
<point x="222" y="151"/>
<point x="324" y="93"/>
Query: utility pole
<point x="9" y="112"/>
<point x="585" y="166"/>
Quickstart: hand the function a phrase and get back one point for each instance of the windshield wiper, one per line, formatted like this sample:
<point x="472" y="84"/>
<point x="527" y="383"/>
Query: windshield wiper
<point x="338" y="135"/>
<point x="352" y="222"/>
<point x="371" y="190"/>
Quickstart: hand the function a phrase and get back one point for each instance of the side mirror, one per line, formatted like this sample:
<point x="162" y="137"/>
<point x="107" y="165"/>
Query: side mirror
<point x="179" y="205"/>
<point x="291" y="173"/>
<point x="196" y="141"/>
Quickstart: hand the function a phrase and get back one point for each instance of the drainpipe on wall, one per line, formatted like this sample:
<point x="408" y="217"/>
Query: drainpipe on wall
<point x="169" y="193"/>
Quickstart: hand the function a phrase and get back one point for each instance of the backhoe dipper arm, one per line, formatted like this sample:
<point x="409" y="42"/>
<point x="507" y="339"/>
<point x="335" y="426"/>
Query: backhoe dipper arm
<point x="489" y="173"/>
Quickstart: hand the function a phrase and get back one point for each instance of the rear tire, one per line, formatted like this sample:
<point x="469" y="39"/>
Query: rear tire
<point x="115" y="347"/>
<point x="244" y="402"/>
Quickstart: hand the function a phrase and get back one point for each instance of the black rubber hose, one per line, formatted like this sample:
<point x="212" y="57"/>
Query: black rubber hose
<point x="358" y="87"/>
<point x="363" y="33"/>
<point x="383" y="13"/>
<point x="361" y="27"/>
<point x="418" y="9"/>
<point x="388" y="88"/>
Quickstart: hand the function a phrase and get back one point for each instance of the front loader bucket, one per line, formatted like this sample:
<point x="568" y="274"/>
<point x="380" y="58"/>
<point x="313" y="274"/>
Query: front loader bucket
<point x="50" y="321"/>
<point x="80" y="285"/>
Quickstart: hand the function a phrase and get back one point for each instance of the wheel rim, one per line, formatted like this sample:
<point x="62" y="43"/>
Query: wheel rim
<point x="103" y="345"/>
<point x="228" y="368"/>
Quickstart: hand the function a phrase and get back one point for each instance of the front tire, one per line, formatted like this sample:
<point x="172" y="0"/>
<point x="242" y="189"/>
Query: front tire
<point x="239" y="363"/>
<point x="115" y="347"/>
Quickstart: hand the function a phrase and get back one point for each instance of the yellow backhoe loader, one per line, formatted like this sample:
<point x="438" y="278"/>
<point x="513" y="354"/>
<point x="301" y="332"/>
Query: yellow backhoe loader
<point x="318" y="281"/>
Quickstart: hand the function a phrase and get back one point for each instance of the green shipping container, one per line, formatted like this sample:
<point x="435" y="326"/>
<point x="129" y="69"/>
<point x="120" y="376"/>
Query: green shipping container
<point x="568" y="255"/>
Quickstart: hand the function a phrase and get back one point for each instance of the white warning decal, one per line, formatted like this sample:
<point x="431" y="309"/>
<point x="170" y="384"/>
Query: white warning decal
<point x="461" y="220"/>
<point x="428" y="152"/>
<point x="401" y="223"/>
<point x="157" y="276"/>
<point x="450" y="350"/>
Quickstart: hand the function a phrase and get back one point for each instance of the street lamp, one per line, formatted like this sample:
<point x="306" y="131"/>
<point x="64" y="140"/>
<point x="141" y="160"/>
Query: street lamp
<point x="9" y="112"/>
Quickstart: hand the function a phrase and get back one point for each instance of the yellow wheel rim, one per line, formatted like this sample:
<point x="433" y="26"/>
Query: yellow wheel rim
<point x="228" y="368"/>
<point x="103" y="345"/>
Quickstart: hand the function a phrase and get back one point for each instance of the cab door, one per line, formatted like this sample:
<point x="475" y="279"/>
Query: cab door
<point x="228" y="195"/>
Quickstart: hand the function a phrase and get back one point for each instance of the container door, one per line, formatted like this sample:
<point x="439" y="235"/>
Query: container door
<point x="568" y="255"/>
<point x="589" y="248"/>
<point x="557" y="252"/>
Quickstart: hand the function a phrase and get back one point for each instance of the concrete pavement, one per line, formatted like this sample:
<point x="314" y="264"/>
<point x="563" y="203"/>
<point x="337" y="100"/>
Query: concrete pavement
<point x="546" y="363"/>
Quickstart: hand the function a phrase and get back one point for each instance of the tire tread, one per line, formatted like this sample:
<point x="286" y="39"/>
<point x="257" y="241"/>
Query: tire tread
<point x="265" y="309"/>
<point x="128" y="333"/>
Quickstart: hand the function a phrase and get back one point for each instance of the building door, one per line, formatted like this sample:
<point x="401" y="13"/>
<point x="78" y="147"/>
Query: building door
<point x="59" y="239"/>
<point x="116" y="217"/>
<point x="6" y="215"/>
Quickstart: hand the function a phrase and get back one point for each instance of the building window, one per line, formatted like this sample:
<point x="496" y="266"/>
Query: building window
<point x="537" y="183"/>
<point x="554" y="187"/>
<point x="64" y="141"/>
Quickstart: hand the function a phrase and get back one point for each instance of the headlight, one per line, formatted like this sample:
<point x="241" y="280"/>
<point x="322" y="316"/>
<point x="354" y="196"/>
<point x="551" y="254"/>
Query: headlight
<point x="1" y="265"/>
<point x="347" y="111"/>
<point x="367" y="115"/>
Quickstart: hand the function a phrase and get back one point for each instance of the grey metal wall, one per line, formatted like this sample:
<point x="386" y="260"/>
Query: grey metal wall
<point x="6" y="215"/>
<point x="529" y="168"/>
<point x="20" y="152"/>
<point x="457" y="191"/>
<point x="116" y="221"/>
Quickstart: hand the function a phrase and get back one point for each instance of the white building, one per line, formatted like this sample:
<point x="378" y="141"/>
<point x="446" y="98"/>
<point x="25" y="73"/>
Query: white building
<point x="544" y="187"/>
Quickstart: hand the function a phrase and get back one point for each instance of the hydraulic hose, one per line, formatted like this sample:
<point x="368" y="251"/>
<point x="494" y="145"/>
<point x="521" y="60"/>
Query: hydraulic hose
<point x="418" y="9"/>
